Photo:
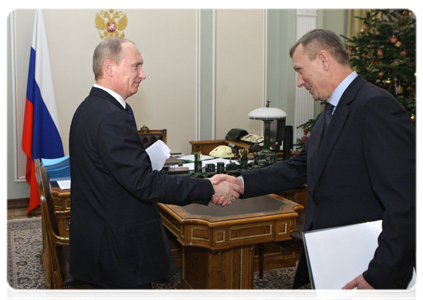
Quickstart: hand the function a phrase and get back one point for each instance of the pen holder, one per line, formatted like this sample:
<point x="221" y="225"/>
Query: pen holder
<point x="243" y="160"/>
<point x="198" y="166"/>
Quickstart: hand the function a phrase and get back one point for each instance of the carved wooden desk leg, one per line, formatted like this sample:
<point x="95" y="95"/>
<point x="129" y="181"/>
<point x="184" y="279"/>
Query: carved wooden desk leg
<point x="205" y="269"/>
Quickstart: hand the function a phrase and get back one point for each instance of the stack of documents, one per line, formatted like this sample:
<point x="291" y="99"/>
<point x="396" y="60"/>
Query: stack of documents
<point x="57" y="168"/>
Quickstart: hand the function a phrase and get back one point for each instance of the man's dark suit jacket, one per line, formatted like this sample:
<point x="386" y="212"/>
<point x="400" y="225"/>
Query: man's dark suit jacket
<point x="116" y="234"/>
<point x="362" y="169"/>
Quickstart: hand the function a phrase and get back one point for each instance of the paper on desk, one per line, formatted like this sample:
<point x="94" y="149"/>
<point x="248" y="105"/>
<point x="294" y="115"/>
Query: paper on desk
<point x="337" y="255"/>
<point x="192" y="158"/>
<point x="64" y="184"/>
<point x="158" y="153"/>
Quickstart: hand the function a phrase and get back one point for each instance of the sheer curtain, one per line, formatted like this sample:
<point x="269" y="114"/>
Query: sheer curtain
<point x="355" y="24"/>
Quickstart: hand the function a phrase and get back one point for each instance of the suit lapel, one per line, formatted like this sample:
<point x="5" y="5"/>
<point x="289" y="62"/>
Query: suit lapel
<point x="331" y="136"/>
<point x="340" y="116"/>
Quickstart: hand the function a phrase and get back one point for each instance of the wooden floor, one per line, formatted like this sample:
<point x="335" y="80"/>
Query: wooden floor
<point x="19" y="213"/>
<point x="16" y="213"/>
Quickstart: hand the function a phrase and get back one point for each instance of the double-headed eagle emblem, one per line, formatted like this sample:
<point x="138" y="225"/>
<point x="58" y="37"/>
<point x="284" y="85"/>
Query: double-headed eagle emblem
<point x="111" y="23"/>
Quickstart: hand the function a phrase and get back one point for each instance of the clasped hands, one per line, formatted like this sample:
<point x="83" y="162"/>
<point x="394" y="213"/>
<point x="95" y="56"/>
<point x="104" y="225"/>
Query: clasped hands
<point x="226" y="189"/>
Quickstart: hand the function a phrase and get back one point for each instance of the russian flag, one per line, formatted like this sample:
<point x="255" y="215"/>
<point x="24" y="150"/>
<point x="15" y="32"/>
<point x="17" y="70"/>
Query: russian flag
<point x="41" y="136"/>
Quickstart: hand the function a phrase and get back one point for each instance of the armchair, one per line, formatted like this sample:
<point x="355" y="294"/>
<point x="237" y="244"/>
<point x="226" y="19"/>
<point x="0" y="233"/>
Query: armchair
<point x="149" y="137"/>
<point x="54" y="255"/>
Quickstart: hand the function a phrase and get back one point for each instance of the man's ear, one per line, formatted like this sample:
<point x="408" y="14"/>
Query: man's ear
<point x="108" y="67"/>
<point x="326" y="59"/>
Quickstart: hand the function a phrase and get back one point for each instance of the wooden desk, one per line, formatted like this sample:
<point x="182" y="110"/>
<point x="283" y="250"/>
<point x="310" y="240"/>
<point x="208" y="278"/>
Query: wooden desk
<point x="219" y="252"/>
<point x="218" y="242"/>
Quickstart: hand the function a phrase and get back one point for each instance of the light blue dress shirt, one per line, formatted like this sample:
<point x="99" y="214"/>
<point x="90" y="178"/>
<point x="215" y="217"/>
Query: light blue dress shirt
<point x="340" y="89"/>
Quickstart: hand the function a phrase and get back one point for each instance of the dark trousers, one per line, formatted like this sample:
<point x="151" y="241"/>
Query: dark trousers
<point x="110" y="292"/>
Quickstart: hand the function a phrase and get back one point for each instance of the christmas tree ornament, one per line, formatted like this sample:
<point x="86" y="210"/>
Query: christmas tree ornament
<point x="398" y="44"/>
<point x="399" y="89"/>
<point x="381" y="74"/>
<point x="393" y="39"/>
<point x="403" y="53"/>
<point x="380" y="52"/>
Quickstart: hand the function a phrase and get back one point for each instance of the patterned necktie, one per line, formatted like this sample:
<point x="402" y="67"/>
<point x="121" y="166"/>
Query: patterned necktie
<point x="130" y="112"/>
<point x="328" y="114"/>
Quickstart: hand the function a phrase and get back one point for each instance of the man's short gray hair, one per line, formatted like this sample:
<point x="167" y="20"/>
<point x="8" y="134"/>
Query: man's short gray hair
<point x="317" y="40"/>
<point x="110" y="48"/>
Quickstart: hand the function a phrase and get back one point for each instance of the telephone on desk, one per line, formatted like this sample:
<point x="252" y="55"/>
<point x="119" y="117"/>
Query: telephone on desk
<point x="253" y="139"/>
<point x="222" y="152"/>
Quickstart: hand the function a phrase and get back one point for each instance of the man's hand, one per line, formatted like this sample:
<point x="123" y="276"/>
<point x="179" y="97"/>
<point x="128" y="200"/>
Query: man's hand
<point x="364" y="290"/>
<point x="235" y="180"/>
<point x="226" y="191"/>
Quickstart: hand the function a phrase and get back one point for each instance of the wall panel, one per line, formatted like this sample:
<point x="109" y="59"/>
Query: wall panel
<point x="240" y="69"/>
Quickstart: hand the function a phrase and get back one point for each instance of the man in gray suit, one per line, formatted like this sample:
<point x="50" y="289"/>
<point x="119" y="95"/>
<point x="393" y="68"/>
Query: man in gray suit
<point x="117" y="239"/>
<point x="358" y="164"/>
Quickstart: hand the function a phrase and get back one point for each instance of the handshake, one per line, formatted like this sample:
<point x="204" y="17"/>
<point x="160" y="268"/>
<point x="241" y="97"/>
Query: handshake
<point x="226" y="189"/>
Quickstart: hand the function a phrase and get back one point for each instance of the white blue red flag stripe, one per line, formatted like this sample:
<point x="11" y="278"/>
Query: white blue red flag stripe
<point x="41" y="136"/>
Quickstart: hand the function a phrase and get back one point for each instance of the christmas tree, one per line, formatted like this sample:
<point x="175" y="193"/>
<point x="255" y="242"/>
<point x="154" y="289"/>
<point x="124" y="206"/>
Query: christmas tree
<point x="384" y="53"/>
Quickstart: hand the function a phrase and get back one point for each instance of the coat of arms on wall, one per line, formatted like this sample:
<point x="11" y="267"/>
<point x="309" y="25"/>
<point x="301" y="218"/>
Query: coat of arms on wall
<point x="111" y="23"/>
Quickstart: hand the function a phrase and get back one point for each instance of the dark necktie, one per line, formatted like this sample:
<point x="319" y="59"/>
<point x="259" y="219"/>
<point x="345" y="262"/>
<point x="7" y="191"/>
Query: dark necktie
<point x="130" y="112"/>
<point x="328" y="114"/>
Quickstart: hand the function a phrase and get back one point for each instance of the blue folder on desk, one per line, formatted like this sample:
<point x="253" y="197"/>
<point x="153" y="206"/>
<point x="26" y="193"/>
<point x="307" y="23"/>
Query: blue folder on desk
<point x="57" y="168"/>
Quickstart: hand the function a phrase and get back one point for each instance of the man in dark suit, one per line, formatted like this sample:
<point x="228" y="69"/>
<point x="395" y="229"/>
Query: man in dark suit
<point x="359" y="165"/>
<point x="117" y="239"/>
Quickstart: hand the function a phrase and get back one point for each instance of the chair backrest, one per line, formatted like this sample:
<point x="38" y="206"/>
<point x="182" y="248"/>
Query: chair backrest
<point x="46" y="199"/>
<point x="149" y="137"/>
<point x="45" y="252"/>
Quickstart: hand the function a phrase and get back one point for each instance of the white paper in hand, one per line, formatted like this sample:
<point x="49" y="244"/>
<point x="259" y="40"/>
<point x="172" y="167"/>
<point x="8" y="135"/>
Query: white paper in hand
<point x="337" y="255"/>
<point x="158" y="153"/>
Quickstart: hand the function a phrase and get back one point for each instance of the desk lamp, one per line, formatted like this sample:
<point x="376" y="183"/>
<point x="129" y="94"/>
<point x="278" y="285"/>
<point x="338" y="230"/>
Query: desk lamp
<point x="267" y="115"/>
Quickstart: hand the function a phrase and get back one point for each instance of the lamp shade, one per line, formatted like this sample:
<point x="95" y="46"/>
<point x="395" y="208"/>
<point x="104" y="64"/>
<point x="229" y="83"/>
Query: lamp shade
<point x="267" y="113"/>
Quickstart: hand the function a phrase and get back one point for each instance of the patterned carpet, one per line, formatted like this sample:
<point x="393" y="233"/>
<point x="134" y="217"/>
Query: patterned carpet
<point x="24" y="269"/>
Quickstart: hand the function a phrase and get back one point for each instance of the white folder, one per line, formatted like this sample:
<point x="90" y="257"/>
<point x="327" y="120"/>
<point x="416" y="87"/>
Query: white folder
<point x="336" y="256"/>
